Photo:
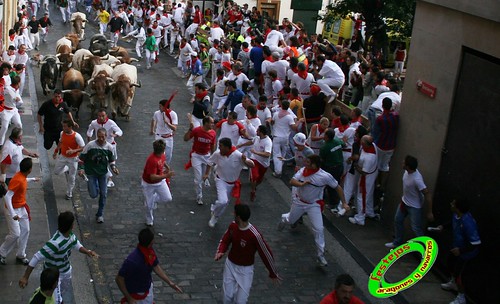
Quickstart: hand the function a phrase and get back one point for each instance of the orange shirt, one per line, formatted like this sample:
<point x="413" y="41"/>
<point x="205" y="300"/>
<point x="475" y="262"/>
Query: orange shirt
<point x="19" y="185"/>
<point x="68" y="142"/>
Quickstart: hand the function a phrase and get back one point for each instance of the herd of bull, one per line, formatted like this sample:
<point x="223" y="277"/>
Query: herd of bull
<point x="106" y="73"/>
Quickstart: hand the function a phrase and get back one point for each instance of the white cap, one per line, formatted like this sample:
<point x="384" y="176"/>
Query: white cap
<point x="299" y="139"/>
<point x="193" y="53"/>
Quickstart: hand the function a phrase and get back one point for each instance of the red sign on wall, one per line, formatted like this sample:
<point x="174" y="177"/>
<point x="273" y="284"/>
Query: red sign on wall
<point x="426" y="88"/>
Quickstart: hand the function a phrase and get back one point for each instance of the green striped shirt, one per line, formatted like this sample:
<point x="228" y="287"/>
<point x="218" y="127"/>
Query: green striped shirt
<point x="58" y="250"/>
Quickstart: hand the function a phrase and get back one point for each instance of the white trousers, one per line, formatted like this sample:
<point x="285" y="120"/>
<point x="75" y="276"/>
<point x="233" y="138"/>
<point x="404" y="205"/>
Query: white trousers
<point x="35" y="39"/>
<point x="218" y="103"/>
<point x="114" y="39"/>
<point x="65" y="13"/>
<point x="138" y="47"/>
<point x="350" y="188"/>
<point x="102" y="28"/>
<point x="279" y="150"/>
<point x="19" y="232"/>
<point x="154" y="194"/>
<point x="398" y="66"/>
<point x="223" y="195"/>
<point x="150" y="57"/>
<point x="72" y="163"/>
<point x="199" y="163"/>
<point x="313" y="211"/>
<point x="193" y="79"/>
<point x="326" y="83"/>
<point x="64" y="289"/>
<point x="237" y="281"/>
<point x="365" y="198"/>
<point x="6" y="116"/>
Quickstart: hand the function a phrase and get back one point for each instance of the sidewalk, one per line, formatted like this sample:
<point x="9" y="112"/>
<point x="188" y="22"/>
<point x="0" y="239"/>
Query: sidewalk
<point x="46" y="199"/>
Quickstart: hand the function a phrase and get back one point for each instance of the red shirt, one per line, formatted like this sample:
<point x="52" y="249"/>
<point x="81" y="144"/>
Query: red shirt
<point x="203" y="140"/>
<point x="331" y="298"/>
<point x="154" y="165"/>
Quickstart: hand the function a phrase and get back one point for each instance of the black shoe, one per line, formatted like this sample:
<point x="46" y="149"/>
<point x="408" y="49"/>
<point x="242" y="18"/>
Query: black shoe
<point x="23" y="261"/>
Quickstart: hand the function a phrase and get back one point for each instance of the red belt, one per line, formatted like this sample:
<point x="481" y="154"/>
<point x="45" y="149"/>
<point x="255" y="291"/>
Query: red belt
<point x="347" y="150"/>
<point x="165" y="135"/>
<point x="7" y="108"/>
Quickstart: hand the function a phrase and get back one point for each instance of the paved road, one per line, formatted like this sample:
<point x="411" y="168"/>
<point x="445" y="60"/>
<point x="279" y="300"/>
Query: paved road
<point x="184" y="242"/>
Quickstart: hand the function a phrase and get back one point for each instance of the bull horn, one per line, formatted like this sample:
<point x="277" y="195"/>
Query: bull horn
<point x="136" y="84"/>
<point x="119" y="57"/>
<point x="90" y="80"/>
<point x="87" y="93"/>
<point x="58" y="55"/>
<point x="133" y="59"/>
<point x="43" y="62"/>
<point x="110" y="79"/>
<point x="85" y="57"/>
<point x="105" y="57"/>
<point x="65" y="91"/>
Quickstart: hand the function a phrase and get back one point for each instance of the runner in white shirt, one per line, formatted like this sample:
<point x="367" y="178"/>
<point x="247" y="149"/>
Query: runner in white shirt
<point x="10" y="113"/>
<point x="346" y="134"/>
<point x="280" y="66"/>
<point x="163" y="126"/>
<point x="302" y="81"/>
<point x="229" y="162"/>
<point x="250" y="123"/>
<point x="237" y="75"/>
<point x="241" y="108"/>
<point x="263" y="112"/>
<point x="261" y="149"/>
<point x="273" y="39"/>
<point x="220" y="93"/>
<point x="231" y="128"/>
<point x="307" y="197"/>
<point x="216" y="33"/>
<point x="283" y="123"/>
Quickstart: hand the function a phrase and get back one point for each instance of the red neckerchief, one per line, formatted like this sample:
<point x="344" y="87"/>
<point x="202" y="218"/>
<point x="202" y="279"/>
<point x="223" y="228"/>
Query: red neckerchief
<point x="274" y="78"/>
<point x="302" y="74"/>
<point x="193" y="63"/>
<point x="320" y="129"/>
<point x="149" y="254"/>
<point x="308" y="172"/>
<point x="295" y="70"/>
<point x="369" y="149"/>
<point x="12" y="37"/>
<point x="45" y="19"/>
<point x="182" y="45"/>
<point x="237" y="73"/>
<point x="283" y="113"/>
<point x="246" y="50"/>
<point x="21" y="52"/>
<point x="342" y="128"/>
<point x="219" y="78"/>
<point x="167" y="114"/>
<point x="356" y="120"/>
<point x="102" y="124"/>
<point x="269" y="58"/>
<point x="201" y="95"/>
<point x="233" y="148"/>
<point x="261" y="107"/>
<point x="154" y="27"/>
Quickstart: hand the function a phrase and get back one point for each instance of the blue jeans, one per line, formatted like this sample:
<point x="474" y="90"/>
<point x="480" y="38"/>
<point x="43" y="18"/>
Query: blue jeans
<point x="415" y="220"/>
<point x="97" y="185"/>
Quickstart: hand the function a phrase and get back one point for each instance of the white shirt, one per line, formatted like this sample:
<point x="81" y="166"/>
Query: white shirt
<point x="110" y="126"/>
<point x="240" y="78"/>
<point x="228" y="168"/>
<point x="8" y="58"/>
<point x="216" y="33"/>
<point x="413" y="184"/>
<point x="178" y="12"/>
<point x="12" y="155"/>
<point x="263" y="115"/>
<point x="368" y="162"/>
<point x="231" y="131"/>
<point x="273" y="38"/>
<point x="313" y="191"/>
<point x="303" y="85"/>
<point x="281" y="67"/>
<point x="262" y="145"/>
<point x="349" y="134"/>
<point x="331" y="70"/>
<point x="241" y="111"/>
<point x="395" y="97"/>
<point x="12" y="97"/>
<point x="282" y="126"/>
<point x="161" y="127"/>
<point x="185" y="52"/>
<point x="220" y="87"/>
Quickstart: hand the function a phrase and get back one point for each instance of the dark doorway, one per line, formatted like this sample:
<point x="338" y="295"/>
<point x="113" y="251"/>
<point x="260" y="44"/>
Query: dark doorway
<point x="470" y="166"/>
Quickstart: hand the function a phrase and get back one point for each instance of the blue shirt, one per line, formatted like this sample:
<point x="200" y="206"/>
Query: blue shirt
<point x="233" y="98"/>
<point x="136" y="272"/>
<point x="197" y="68"/>
<point x="464" y="233"/>
<point x="257" y="56"/>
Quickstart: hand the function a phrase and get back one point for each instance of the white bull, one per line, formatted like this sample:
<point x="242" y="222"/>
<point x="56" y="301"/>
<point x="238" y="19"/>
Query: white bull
<point x="78" y="21"/>
<point x="123" y="89"/>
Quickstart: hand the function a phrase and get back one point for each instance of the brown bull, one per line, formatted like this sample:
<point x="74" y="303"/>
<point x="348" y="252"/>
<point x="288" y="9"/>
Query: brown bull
<point x="73" y="89"/>
<point x="78" y="21"/>
<point x="100" y="84"/>
<point x="122" y="94"/>
<point x="65" y="57"/>
<point x="122" y="54"/>
<point x="75" y="41"/>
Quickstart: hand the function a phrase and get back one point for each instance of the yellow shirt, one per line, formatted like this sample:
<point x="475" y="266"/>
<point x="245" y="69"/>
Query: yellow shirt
<point x="296" y="104"/>
<point x="103" y="17"/>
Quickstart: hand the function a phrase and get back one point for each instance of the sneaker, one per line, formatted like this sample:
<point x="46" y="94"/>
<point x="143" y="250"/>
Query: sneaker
<point x="212" y="222"/>
<point x="149" y="224"/>
<point x="276" y="175"/>
<point x="460" y="299"/>
<point x="69" y="195"/>
<point x="23" y="261"/>
<point x="322" y="261"/>
<point x="199" y="201"/>
<point x="111" y="184"/>
<point x="352" y="220"/>
<point x="391" y="245"/>
<point x="450" y="286"/>
<point x="281" y="225"/>
<point x="100" y="219"/>
<point x="332" y="98"/>
<point x="245" y="167"/>
<point x="375" y="217"/>
<point x="3" y="260"/>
